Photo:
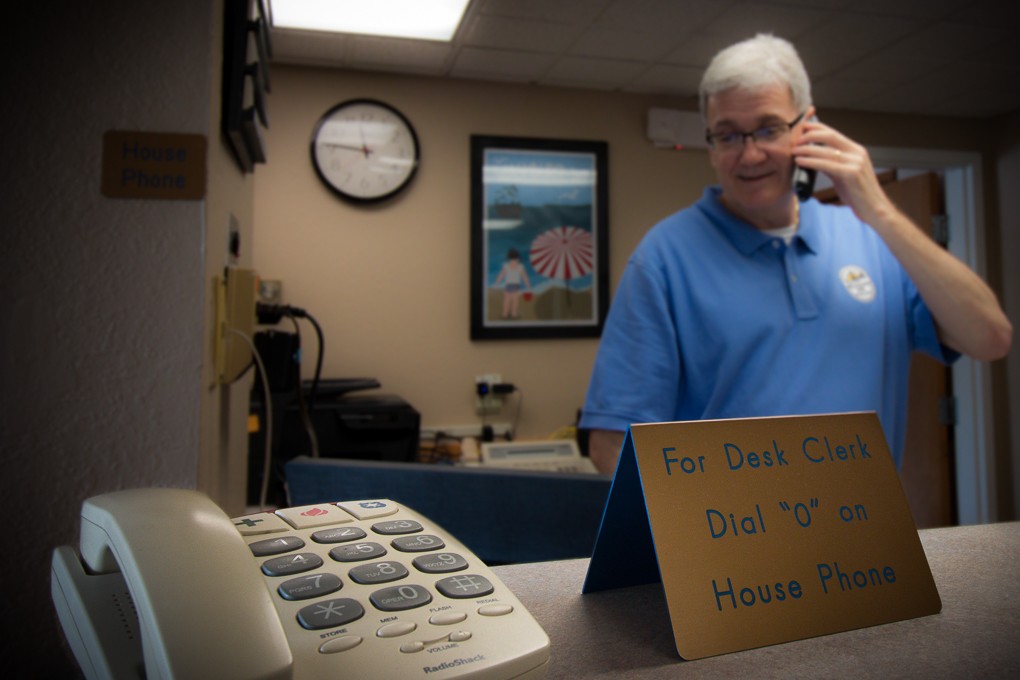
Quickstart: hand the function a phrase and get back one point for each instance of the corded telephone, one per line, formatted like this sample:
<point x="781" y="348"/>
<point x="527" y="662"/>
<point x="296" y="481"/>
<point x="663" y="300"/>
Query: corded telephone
<point x="168" y="587"/>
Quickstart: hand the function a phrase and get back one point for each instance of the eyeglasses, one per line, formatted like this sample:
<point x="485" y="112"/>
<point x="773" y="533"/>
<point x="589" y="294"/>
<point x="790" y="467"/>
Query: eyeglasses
<point x="769" y="134"/>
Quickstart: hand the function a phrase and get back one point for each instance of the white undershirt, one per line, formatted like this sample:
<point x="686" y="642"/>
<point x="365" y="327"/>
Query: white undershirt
<point x="785" y="233"/>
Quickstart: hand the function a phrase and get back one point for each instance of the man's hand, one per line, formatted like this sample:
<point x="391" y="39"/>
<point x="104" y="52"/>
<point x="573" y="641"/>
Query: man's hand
<point x="604" y="449"/>
<point x="848" y="166"/>
<point x="966" y="312"/>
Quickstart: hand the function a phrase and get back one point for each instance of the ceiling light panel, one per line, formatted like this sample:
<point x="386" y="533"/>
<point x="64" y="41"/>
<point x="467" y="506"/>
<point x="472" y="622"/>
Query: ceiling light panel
<point x="420" y="19"/>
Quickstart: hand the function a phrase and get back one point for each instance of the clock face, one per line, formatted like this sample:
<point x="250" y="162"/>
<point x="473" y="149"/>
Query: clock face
<point x="365" y="150"/>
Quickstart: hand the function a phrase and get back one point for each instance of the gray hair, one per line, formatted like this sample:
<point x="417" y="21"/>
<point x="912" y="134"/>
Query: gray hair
<point x="756" y="63"/>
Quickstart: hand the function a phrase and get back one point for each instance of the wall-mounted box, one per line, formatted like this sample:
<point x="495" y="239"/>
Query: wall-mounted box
<point x="673" y="129"/>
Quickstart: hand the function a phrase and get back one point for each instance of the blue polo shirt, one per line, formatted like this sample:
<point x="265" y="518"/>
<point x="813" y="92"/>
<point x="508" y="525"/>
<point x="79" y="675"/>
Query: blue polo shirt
<point x="716" y="319"/>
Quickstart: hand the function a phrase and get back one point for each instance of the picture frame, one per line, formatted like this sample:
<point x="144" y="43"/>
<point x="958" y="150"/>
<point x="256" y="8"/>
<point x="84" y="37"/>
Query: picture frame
<point x="539" y="238"/>
<point x="247" y="49"/>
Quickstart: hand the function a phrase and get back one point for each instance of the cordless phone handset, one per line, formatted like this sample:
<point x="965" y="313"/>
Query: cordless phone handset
<point x="804" y="178"/>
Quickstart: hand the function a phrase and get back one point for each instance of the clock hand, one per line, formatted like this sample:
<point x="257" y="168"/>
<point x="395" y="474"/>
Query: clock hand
<point x="363" y="148"/>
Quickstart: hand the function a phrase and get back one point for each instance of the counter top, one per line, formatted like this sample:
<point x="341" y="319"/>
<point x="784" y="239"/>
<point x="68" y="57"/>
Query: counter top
<point x="626" y="633"/>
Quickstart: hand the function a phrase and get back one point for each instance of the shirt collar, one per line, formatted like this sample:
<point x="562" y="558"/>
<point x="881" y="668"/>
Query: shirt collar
<point x="746" y="238"/>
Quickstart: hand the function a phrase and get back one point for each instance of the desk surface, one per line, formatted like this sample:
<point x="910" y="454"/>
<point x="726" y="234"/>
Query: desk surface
<point x="626" y="633"/>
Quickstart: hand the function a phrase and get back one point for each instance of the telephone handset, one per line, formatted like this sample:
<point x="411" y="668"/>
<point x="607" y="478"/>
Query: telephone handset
<point x="804" y="182"/>
<point x="168" y="587"/>
<point x="804" y="178"/>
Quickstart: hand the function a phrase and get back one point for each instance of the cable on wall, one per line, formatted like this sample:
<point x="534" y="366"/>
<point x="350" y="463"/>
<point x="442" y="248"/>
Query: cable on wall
<point x="267" y="407"/>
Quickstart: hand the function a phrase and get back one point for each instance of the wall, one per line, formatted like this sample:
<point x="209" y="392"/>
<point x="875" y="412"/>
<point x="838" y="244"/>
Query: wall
<point x="105" y="343"/>
<point x="1007" y="161"/>
<point x="389" y="284"/>
<point x="106" y="340"/>
<point x="223" y="433"/>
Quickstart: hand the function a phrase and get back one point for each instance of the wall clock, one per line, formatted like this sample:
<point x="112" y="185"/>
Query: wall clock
<point x="365" y="150"/>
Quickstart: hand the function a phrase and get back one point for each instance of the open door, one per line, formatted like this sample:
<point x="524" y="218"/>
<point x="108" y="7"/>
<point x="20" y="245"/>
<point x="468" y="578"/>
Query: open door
<point x="928" y="472"/>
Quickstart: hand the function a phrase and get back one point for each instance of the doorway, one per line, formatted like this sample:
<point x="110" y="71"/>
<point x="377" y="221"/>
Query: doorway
<point x="927" y="470"/>
<point x="972" y="437"/>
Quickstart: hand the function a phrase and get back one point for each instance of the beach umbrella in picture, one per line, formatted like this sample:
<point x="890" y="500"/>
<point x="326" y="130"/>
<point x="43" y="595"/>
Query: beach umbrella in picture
<point x="563" y="253"/>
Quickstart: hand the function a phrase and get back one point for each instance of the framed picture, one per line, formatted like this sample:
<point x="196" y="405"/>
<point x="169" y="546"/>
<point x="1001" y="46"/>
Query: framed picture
<point x="539" y="238"/>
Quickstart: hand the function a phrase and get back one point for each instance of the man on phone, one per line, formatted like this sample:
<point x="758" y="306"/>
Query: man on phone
<point x="753" y="303"/>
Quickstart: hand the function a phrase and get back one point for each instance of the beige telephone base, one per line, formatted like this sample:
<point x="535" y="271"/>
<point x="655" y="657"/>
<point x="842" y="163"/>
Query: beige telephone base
<point x="366" y="589"/>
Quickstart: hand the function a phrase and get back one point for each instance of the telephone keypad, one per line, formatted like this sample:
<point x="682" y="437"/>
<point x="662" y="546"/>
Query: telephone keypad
<point x="399" y="598"/>
<point x="418" y="588"/>
<point x="275" y="546"/>
<point x="313" y="516"/>
<point x="307" y="587"/>
<point x="330" y="613"/>
<point x="339" y="535"/>
<point x="403" y="526"/>
<point x="461" y="587"/>
<point x="369" y="509"/>
<point x="392" y="630"/>
<point x="447" y="618"/>
<point x="439" y="563"/>
<point x="380" y="572"/>
<point x="263" y="523"/>
<point x="357" y="552"/>
<point x="291" y="564"/>
<point x="418" y="543"/>
<point x="340" y="644"/>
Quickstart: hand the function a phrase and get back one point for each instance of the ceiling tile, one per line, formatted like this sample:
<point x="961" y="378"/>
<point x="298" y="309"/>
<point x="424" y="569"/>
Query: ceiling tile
<point x="678" y="80"/>
<point x="988" y="13"/>
<point x="861" y="33"/>
<point x="883" y="68"/>
<point x="561" y="11"/>
<point x="744" y="20"/>
<point x="838" y="93"/>
<point x="415" y="56"/>
<point x="982" y="103"/>
<point x="824" y="60"/>
<point x="923" y="9"/>
<point x="309" y="47"/>
<point x="617" y="44"/>
<point x="944" y="40"/>
<point x="697" y="49"/>
<point x="520" y="34"/>
<point x="912" y="96"/>
<point x="880" y="55"/>
<point x="602" y="73"/>
<point x="1004" y="53"/>
<point x="500" y="65"/>
<point x="655" y="16"/>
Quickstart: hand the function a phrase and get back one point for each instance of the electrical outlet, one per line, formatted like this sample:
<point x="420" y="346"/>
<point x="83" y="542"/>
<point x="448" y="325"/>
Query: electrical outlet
<point x="487" y="401"/>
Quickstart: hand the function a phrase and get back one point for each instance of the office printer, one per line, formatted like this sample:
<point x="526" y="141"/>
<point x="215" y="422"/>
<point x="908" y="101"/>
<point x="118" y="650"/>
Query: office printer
<point x="347" y="422"/>
<point x="354" y="425"/>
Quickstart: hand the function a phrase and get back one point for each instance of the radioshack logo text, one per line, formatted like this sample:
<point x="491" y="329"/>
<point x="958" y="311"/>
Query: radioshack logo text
<point x="446" y="665"/>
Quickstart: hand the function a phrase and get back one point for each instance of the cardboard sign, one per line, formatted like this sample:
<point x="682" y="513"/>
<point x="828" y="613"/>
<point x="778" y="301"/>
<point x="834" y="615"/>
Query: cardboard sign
<point x="153" y="165"/>
<point x="763" y="530"/>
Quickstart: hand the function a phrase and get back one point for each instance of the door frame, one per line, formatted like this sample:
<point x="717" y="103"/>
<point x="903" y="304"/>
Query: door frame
<point x="973" y="434"/>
